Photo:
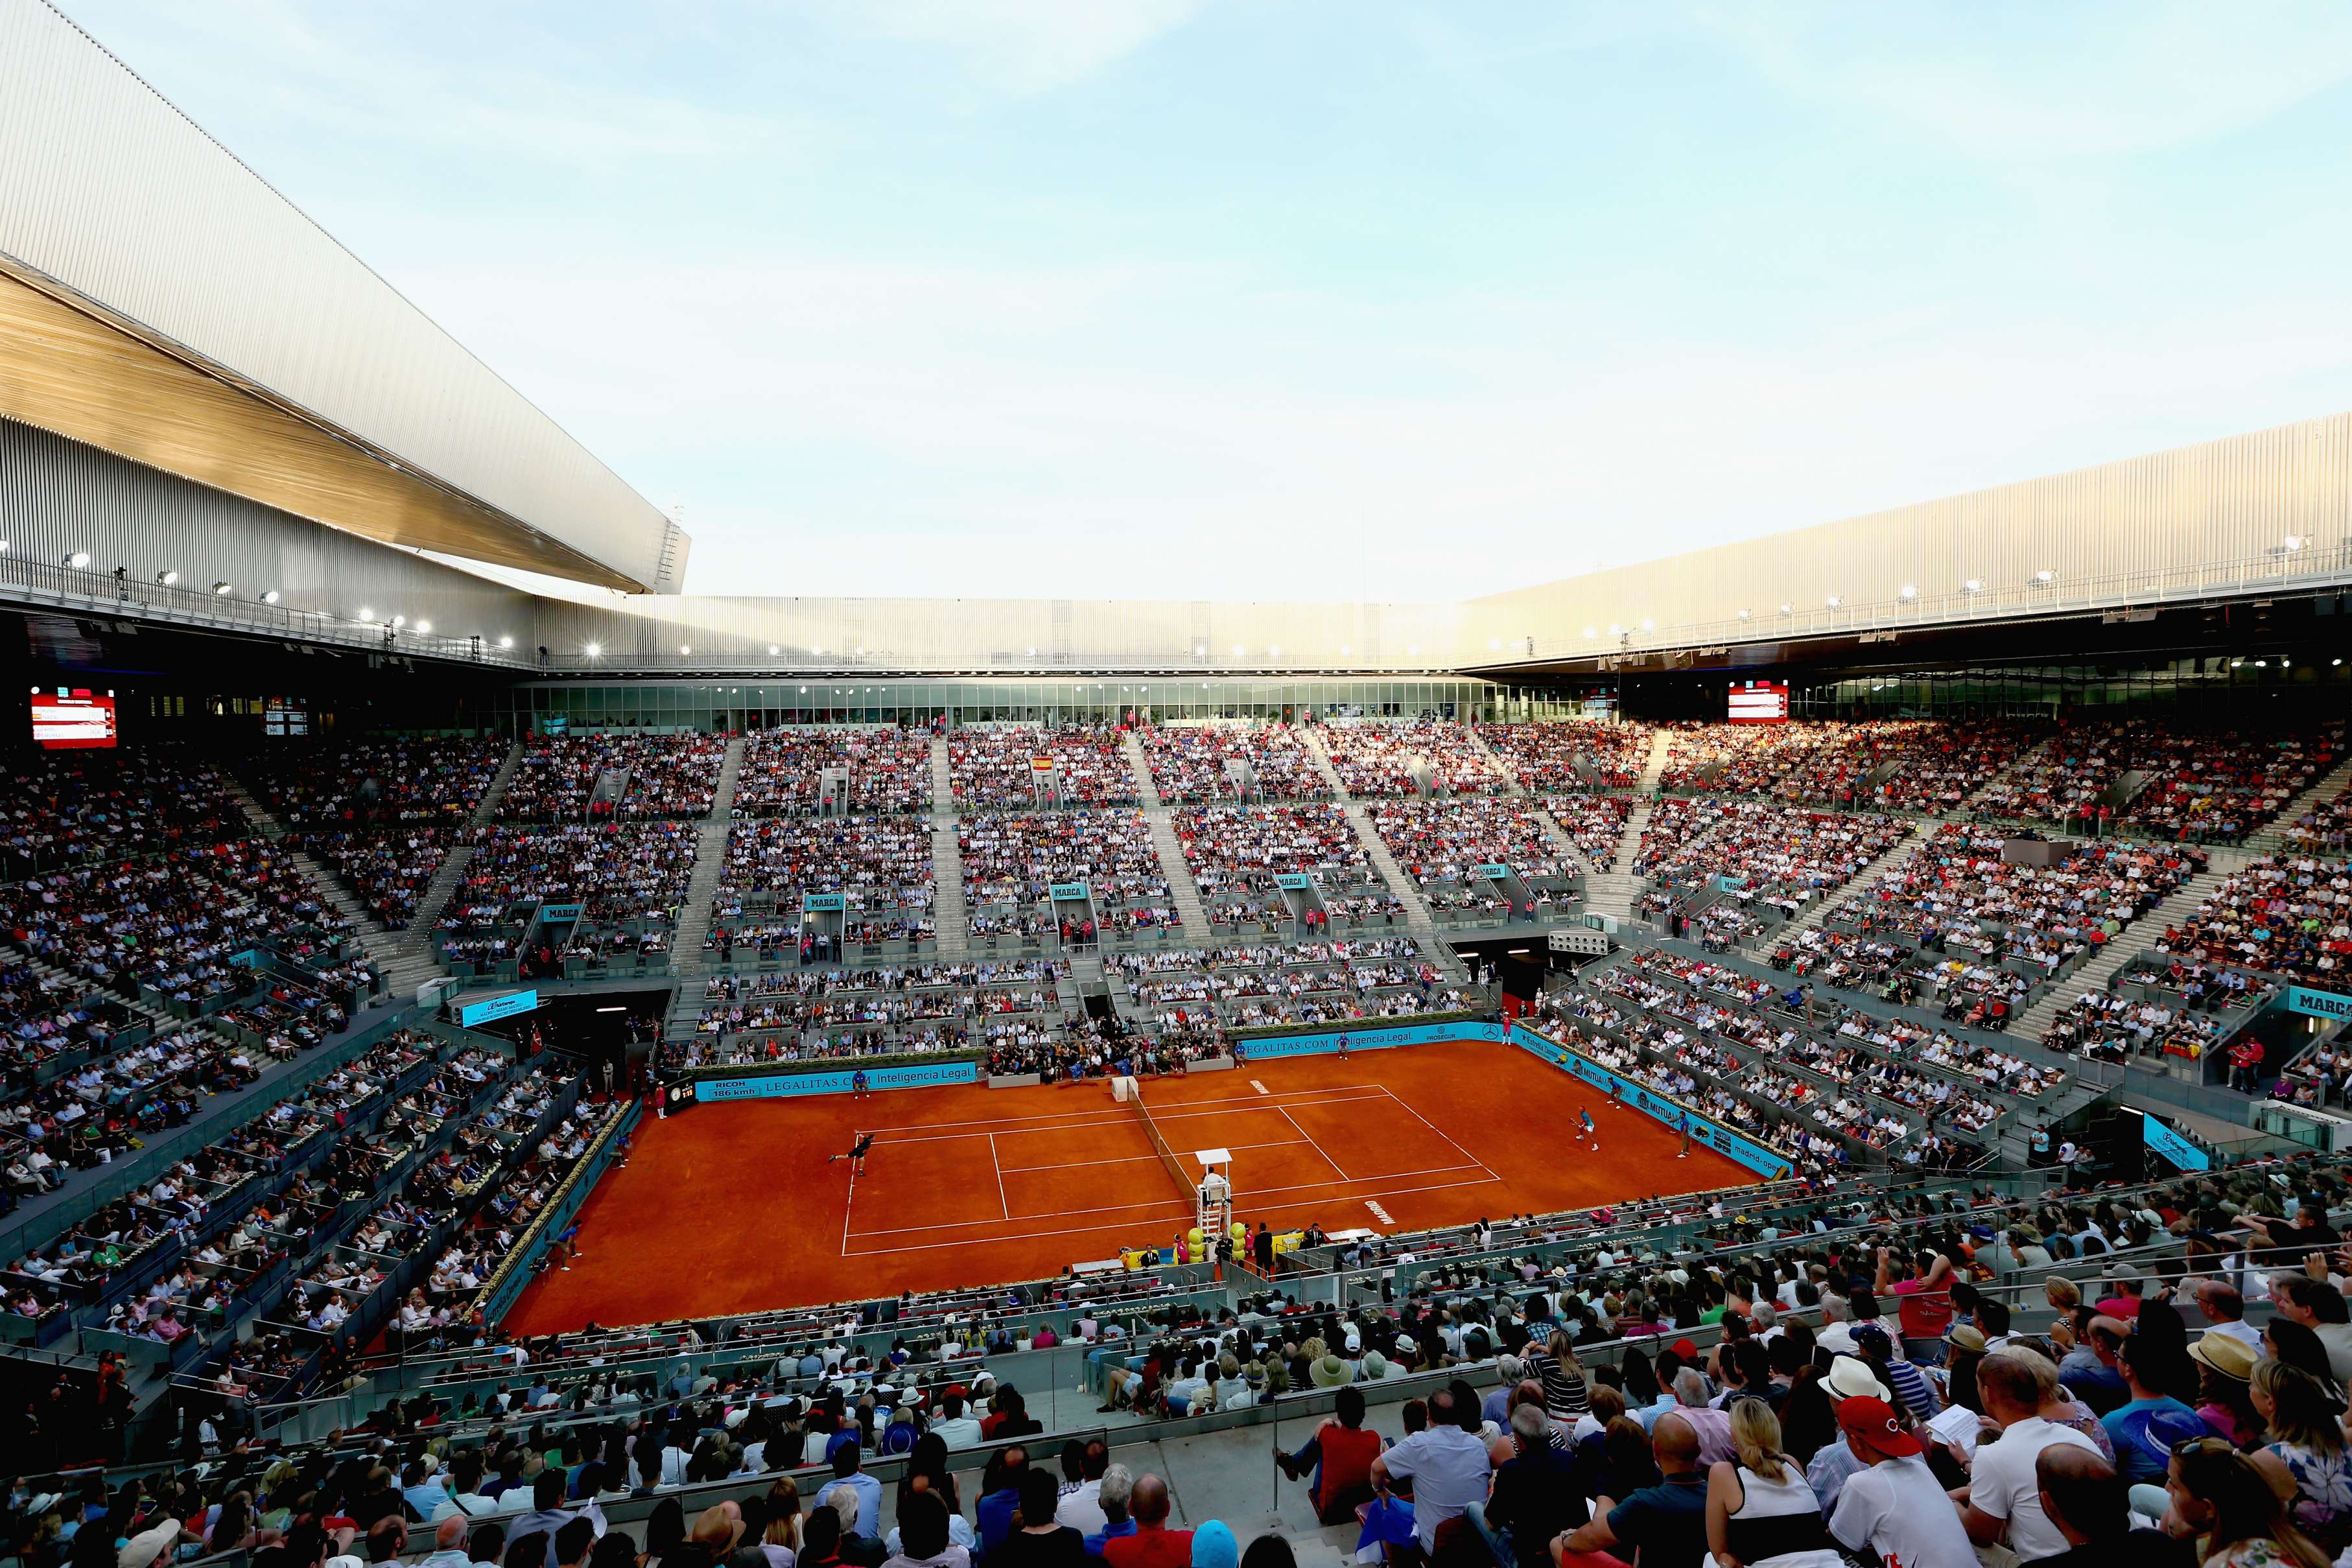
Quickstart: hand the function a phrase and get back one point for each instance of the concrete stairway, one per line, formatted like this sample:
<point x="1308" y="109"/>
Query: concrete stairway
<point x="1564" y="845"/>
<point x="710" y="865"/>
<point x="951" y="916"/>
<point x="1416" y="914"/>
<point x="1921" y="831"/>
<point x="942" y="777"/>
<point x="436" y="893"/>
<point x="1181" y="889"/>
<point x="499" y="782"/>
<point x="2137" y="937"/>
<point x="404" y="966"/>
<point x="2271" y="838"/>
<point x="2026" y="759"/>
<point x="1140" y="766"/>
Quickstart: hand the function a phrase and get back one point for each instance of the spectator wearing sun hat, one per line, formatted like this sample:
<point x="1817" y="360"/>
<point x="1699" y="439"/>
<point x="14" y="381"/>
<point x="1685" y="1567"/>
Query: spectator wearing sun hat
<point x="2225" y="1374"/>
<point x="1849" y="1377"/>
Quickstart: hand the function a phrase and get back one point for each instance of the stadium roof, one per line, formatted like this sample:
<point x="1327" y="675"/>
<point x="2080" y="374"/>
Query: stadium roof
<point x="160" y="300"/>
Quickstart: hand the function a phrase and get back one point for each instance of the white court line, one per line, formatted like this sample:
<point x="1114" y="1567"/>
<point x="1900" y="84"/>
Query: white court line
<point x="1253" y="1195"/>
<point x="1083" y="1116"/>
<point x="1441" y="1133"/>
<point x="1152" y="1159"/>
<point x="847" y="1206"/>
<point x="1001" y="1203"/>
<point x="1099" y="1227"/>
<point x="1312" y="1143"/>
<point x="1260" y="1087"/>
<point x="1233" y="1108"/>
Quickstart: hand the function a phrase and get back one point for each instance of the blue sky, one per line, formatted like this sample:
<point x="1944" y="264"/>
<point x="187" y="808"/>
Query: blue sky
<point x="1177" y="299"/>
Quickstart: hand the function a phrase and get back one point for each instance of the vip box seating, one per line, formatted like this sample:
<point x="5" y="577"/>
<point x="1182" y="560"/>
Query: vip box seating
<point x="1192" y="763"/>
<point x="1012" y="862"/>
<point x="1439" y="844"/>
<point x="887" y="771"/>
<point x="1572" y="754"/>
<point x="2210" y="786"/>
<point x="1377" y="758"/>
<point x="1238" y="854"/>
<point x="996" y="769"/>
<point x="1260" y="986"/>
<point x="587" y="778"/>
<point x="1957" y="894"/>
<point x="1755" y="862"/>
<point x="881" y="867"/>
<point x="628" y="880"/>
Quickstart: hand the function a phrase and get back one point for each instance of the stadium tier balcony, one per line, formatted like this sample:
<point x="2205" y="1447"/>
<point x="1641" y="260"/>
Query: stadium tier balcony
<point x="628" y="880"/>
<point x="887" y="771"/>
<point x="1245" y="860"/>
<point x="1013" y="860"/>
<point x="1196" y="763"/>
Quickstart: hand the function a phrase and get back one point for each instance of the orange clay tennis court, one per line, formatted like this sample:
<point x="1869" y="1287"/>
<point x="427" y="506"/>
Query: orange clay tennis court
<point x="732" y="1207"/>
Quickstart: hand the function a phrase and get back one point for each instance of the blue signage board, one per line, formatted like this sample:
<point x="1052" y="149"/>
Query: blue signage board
<point x="2184" y="1154"/>
<point x="2317" y="1003"/>
<point x="1292" y="880"/>
<point x="784" y="1085"/>
<point x="1074" y="892"/>
<point x="505" y="1005"/>
<point x="1755" y="1156"/>
<point x="823" y="902"/>
<point x="1492" y="872"/>
<point x="562" y="911"/>
<point x="1370" y="1039"/>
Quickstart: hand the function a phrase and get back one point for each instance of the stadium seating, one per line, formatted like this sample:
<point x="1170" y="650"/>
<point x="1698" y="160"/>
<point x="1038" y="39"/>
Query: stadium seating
<point x="889" y="771"/>
<point x="643" y="777"/>
<point x="996" y="769"/>
<point x="1376" y="757"/>
<point x="1194" y="763"/>
<point x="1573" y="754"/>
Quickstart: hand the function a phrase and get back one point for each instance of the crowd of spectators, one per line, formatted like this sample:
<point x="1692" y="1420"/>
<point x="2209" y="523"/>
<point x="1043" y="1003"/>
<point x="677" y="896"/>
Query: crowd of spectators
<point x="1571" y="754"/>
<point x="655" y="776"/>
<point x="1190" y="762"/>
<point x="2283" y="914"/>
<point x="1782" y="856"/>
<point x="1378" y="757"/>
<point x="379" y="781"/>
<point x="781" y="772"/>
<point x="880" y="865"/>
<point x="1438" y="844"/>
<point x="68" y="807"/>
<point x="618" y="870"/>
<point x="2189" y="784"/>
<point x="1594" y="824"/>
<point x="995" y="770"/>
<point x="1015" y="858"/>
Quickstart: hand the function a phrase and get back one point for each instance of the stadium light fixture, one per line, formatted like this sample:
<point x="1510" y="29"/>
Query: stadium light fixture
<point x="79" y="559"/>
<point x="1343" y="650"/>
<point x="1493" y="644"/>
<point x="1237" y="650"/>
<point x="425" y="628"/>
<point x="2045" y="577"/>
<point x="1787" y="610"/>
<point x="221" y="591"/>
<point x="168" y="577"/>
<point x="816" y="653"/>
<point x="593" y="649"/>
<point x="366" y="613"/>
<point x="1615" y="629"/>
<point x="1412" y="648"/>
<point x="1973" y="585"/>
<point x="1648" y="625"/>
<point x="773" y="650"/>
<point x="269" y="597"/>
<point x="2295" y="541"/>
<point x="1909" y="591"/>
<point x="1033" y="653"/>
<point x="506" y="642"/>
<point x="1834" y="601"/>
<point x="861" y="652"/>
<point x="684" y="649"/>
<point x="1743" y="615"/>
<point x="1588" y="632"/>
<point x="1274" y="651"/>
<point x="400" y="621"/>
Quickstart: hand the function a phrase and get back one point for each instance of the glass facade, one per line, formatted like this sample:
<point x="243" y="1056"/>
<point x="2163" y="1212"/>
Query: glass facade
<point x="728" y="705"/>
<point x="2211" y="688"/>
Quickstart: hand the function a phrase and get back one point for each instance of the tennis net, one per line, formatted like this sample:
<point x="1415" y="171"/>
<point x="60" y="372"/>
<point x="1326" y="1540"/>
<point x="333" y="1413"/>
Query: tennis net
<point x="1176" y="1171"/>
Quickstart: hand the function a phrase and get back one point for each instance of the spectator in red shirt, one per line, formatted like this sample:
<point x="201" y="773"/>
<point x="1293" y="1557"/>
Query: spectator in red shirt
<point x="1154" y="1544"/>
<point x="1922" y="1288"/>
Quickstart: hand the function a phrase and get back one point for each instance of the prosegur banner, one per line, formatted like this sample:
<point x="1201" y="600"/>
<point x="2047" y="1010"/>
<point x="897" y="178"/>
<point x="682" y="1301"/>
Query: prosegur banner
<point x="778" y="1085"/>
<point x="1764" y="1161"/>
<point x="2317" y="1003"/>
<point x="1365" y="1039"/>
<point x="2184" y="1154"/>
<point x="503" y="1006"/>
